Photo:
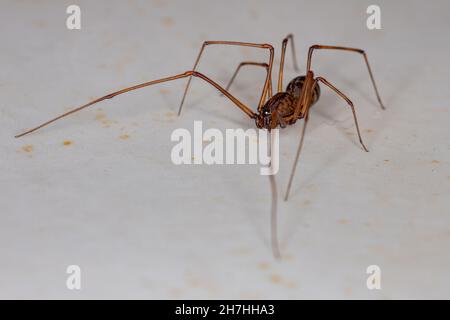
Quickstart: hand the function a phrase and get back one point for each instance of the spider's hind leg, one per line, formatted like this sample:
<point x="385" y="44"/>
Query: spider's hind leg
<point x="251" y="63"/>
<point x="360" y="51"/>
<point x="350" y="103"/>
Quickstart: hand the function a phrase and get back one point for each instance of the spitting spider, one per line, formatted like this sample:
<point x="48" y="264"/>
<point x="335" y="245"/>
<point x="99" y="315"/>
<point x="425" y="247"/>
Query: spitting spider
<point x="274" y="110"/>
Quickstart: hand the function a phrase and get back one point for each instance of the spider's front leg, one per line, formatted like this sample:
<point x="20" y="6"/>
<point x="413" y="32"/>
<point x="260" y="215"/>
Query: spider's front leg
<point x="234" y="43"/>
<point x="238" y="103"/>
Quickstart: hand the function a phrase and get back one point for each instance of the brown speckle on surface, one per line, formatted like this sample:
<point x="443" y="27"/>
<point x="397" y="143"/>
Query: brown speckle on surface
<point x="291" y="285"/>
<point x="369" y="130"/>
<point x="28" y="148"/>
<point x="169" y="115"/>
<point x="343" y="221"/>
<point x="348" y="291"/>
<point x="263" y="266"/>
<point x="124" y="137"/>
<point x="307" y="202"/>
<point x="435" y="161"/>
<point x="167" y="22"/>
<point x="40" y="24"/>
<point x="164" y="91"/>
<point x="386" y="160"/>
<point x="101" y="117"/>
<point x="67" y="143"/>
<point x="276" y="279"/>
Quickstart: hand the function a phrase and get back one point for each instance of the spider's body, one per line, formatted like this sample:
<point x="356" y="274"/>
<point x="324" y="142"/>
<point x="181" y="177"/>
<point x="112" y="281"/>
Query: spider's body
<point x="296" y="85"/>
<point x="280" y="109"/>
<point x="274" y="110"/>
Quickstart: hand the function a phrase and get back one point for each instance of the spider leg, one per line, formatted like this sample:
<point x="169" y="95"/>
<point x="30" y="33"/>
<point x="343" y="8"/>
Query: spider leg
<point x="350" y="103"/>
<point x="234" y="43"/>
<point x="302" y="110"/>
<point x="250" y="63"/>
<point x="283" y="53"/>
<point x="238" y="103"/>
<point x="306" y="106"/>
<point x="318" y="47"/>
<point x="297" y="155"/>
<point x="273" y="218"/>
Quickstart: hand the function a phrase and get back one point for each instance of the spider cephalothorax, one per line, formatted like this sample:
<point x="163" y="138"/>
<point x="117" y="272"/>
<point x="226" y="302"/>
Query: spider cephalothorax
<point x="276" y="111"/>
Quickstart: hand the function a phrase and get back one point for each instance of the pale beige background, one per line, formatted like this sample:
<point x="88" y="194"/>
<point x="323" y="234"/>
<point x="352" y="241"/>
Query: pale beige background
<point x="140" y="227"/>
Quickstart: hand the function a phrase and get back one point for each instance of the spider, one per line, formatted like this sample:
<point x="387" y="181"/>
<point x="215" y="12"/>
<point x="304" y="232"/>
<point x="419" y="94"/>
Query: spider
<point x="274" y="110"/>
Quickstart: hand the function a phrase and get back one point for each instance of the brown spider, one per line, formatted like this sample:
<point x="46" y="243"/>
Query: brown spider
<point x="282" y="109"/>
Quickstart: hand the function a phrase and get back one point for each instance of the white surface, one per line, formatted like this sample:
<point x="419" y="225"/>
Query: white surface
<point x="141" y="227"/>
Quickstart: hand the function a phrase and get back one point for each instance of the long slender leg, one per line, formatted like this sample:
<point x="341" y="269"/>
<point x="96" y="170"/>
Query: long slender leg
<point x="273" y="185"/>
<point x="318" y="47"/>
<point x="302" y="108"/>
<point x="238" y="103"/>
<point x="350" y="103"/>
<point x="283" y="53"/>
<point x="250" y="63"/>
<point x="269" y="91"/>
<point x="273" y="218"/>
<point x="307" y="102"/>
<point x="297" y="156"/>
<point x="233" y="43"/>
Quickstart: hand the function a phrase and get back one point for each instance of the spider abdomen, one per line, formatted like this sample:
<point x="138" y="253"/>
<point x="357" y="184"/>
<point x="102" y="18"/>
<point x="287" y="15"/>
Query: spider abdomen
<point x="296" y="85"/>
